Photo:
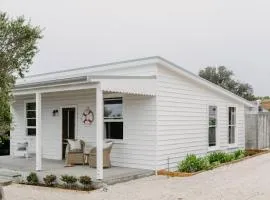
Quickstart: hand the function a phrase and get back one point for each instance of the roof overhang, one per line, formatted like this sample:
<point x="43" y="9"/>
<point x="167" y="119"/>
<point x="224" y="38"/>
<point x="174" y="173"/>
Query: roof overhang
<point x="140" y="85"/>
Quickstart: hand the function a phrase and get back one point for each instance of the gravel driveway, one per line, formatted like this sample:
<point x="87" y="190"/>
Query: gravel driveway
<point x="249" y="179"/>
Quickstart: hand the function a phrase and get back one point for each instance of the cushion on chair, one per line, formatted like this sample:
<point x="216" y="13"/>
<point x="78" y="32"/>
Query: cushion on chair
<point x="75" y="145"/>
<point x="107" y="145"/>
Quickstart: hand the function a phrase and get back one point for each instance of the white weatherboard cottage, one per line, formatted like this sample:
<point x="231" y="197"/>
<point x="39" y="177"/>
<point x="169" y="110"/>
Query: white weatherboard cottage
<point x="151" y="108"/>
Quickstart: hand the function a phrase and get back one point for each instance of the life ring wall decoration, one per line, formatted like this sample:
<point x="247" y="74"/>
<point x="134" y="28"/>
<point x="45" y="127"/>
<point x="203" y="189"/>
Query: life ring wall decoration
<point x="87" y="116"/>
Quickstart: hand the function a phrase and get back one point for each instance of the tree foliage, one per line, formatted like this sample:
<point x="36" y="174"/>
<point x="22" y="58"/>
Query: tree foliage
<point x="224" y="78"/>
<point x="18" y="46"/>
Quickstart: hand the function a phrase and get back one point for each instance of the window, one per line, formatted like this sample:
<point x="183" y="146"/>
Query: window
<point x="232" y="124"/>
<point x="212" y="126"/>
<point x="113" y="118"/>
<point x="30" y="112"/>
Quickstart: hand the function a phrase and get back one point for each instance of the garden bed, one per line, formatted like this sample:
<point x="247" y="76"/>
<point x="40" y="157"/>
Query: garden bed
<point x="249" y="153"/>
<point x="83" y="183"/>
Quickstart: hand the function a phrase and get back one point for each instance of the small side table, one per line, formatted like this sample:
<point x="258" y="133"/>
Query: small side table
<point x="85" y="158"/>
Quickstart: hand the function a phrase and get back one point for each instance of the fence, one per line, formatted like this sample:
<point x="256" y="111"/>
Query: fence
<point x="258" y="131"/>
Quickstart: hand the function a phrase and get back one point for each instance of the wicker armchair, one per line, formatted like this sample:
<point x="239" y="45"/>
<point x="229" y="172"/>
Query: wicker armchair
<point x="106" y="156"/>
<point x="75" y="157"/>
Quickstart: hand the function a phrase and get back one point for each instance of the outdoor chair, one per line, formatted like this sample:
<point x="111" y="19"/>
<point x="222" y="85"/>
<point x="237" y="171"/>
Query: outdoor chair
<point x="75" y="155"/>
<point x="107" y="147"/>
<point x="21" y="150"/>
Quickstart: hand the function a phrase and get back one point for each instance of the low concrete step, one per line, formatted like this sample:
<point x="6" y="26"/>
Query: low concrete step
<point x="5" y="182"/>
<point x="9" y="174"/>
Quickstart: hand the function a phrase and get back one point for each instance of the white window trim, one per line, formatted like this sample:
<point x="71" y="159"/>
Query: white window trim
<point x="217" y="146"/>
<point x="235" y="144"/>
<point x="25" y="118"/>
<point x="110" y="96"/>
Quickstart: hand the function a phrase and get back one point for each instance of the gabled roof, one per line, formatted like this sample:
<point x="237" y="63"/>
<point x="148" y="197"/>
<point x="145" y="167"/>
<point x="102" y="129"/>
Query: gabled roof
<point x="82" y="71"/>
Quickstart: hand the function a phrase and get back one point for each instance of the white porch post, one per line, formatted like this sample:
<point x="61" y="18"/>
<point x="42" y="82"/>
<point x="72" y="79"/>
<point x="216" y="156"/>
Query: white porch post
<point x="99" y="132"/>
<point x="38" y="133"/>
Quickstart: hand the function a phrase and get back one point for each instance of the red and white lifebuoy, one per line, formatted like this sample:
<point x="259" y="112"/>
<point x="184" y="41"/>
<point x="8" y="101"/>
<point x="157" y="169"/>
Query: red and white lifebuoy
<point x="88" y="116"/>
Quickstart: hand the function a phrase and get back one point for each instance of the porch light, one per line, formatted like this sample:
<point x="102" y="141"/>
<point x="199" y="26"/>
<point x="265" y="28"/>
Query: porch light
<point x="55" y="112"/>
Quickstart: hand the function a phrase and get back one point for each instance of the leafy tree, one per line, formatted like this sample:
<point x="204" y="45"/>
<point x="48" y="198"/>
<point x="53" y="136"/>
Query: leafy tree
<point x="224" y="78"/>
<point x="263" y="98"/>
<point x="18" y="46"/>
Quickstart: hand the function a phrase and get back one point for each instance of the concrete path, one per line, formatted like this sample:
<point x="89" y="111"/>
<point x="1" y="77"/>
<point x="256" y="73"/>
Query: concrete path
<point x="246" y="180"/>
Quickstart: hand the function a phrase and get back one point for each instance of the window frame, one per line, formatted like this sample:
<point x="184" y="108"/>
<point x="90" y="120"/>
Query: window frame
<point x="216" y="147"/>
<point x="235" y="126"/>
<point x="25" y="118"/>
<point x="114" y="96"/>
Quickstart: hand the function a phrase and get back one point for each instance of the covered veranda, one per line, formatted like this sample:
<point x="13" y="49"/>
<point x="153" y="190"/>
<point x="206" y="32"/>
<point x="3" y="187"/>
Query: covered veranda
<point x="122" y="84"/>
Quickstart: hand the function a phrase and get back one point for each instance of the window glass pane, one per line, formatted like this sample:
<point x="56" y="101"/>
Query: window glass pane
<point x="212" y="136"/>
<point x="31" y="122"/>
<point x="31" y="131"/>
<point x="31" y="114"/>
<point x="212" y="115"/>
<point x="113" y="108"/>
<point x="31" y="106"/>
<point x="231" y="134"/>
<point x="232" y="114"/>
<point x="114" y="130"/>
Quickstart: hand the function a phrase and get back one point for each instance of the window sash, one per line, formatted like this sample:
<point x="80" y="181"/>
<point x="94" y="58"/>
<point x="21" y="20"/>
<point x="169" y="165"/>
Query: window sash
<point x="31" y="117"/>
<point x="110" y="102"/>
<point x="111" y="119"/>
<point x="232" y="125"/>
<point x="212" y="126"/>
<point x="109" y="135"/>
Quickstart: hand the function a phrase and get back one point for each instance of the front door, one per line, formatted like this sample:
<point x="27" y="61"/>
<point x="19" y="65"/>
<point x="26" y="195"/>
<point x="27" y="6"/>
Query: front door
<point x="68" y="127"/>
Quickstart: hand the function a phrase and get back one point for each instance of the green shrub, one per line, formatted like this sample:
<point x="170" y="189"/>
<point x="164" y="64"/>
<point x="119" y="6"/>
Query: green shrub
<point x="215" y="164"/>
<point x="69" y="180"/>
<point x="32" y="178"/>
<point x="220" y="157"/>
<point x="85" y="181"/>
<point x="228" y="157"/>
<point x="192" y="163"/>
<point x="239" y="154"/>
<point x="49" y="180"/>
<point x="217" y="157"/>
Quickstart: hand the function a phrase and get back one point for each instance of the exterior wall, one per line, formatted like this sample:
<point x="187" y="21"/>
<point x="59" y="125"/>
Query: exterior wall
<point x="182" y="119"/>
<point x="137" y="150"/>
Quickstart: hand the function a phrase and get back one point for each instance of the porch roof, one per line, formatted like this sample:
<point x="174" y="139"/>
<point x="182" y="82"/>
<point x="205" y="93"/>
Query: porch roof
<point x="141" y="85"/>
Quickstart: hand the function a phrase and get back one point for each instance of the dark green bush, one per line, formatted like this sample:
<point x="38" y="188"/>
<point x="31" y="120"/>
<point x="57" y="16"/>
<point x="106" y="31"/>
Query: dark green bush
<point x="192" y="163"/>
<point x="85" y="181"/>
<point x="239" y="154"/>
<point x="49" y="180"/>
<point x="32" y="178"/>
<point x="70" y="181"/>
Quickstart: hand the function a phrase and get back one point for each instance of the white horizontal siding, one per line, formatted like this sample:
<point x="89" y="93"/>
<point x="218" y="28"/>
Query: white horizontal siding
<point x="182" y="118"/>
<point x="139" y="132"/>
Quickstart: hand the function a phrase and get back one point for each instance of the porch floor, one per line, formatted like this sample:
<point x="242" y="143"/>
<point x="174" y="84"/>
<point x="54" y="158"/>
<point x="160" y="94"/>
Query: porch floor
<point x="111" y="175"/>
